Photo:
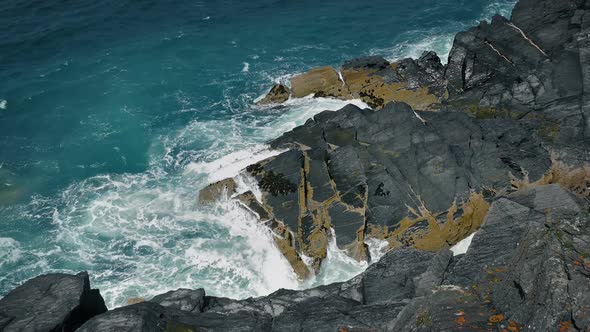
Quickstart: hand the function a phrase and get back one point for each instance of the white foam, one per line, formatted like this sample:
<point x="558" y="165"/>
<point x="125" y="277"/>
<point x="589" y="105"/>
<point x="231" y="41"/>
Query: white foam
<point x="432" y="40"/>
<point x="10" y="251"/>
<point x="414" y="43"/>
<point x="336" y="267"/>
<point x="246" y="67"/>
<point x="3" y="104"/>
<point x="377" y="248"/>
<point x="301" y="109"/>
<point x="230" y="165"/>
<point x="462" y="246"/>
<point x="143" y="234"/>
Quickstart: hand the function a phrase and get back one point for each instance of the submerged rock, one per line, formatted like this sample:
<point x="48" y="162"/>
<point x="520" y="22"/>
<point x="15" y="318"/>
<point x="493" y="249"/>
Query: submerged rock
<point x="51" y="302"/>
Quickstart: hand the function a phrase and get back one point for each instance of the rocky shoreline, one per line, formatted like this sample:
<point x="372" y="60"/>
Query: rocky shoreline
<point x="495" y="142"/>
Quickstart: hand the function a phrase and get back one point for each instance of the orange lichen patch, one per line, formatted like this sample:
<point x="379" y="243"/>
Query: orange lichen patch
<point x="453" y="230"/>
<point x="513" y="326"/>
<point x="460" y="320"/>
<point x="575" y="179"/>
<point x="565" y="326"/>
<point x="496" y="318"/>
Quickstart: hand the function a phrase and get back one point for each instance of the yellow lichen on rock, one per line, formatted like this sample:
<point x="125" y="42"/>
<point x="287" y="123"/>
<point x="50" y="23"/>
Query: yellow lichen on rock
<point x="322" y="82"/>
<point x="376" y="92"/>
<point x="575" y="179"/>
<point x="284" y="241"/>
<point x="217" y="190"/>
<point x="375" y="85"/>
<point x="437" y="234"/>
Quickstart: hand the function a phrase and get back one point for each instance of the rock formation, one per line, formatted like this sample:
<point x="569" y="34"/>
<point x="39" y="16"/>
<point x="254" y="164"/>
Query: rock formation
<point x="278" y="94"/>
<point x="509" y="107"/>
<point x="495" y="143"/>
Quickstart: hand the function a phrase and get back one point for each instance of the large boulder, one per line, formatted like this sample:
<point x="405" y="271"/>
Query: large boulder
<point x="51" y="302"/>
<point x="533" y="66"/>
<point x="182" y="299"/>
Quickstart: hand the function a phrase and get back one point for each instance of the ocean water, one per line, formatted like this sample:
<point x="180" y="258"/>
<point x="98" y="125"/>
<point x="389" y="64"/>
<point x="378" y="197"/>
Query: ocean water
<point x="113" y="114"/>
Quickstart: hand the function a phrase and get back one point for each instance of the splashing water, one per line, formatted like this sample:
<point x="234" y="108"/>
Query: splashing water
<point x="106" y="144"/>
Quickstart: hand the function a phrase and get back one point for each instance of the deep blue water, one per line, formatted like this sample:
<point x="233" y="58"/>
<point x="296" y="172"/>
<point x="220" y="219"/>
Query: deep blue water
<point x="113" y="114"/>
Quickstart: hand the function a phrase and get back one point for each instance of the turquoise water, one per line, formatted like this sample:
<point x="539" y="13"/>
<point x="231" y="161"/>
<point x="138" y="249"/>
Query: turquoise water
<point x="113" y="115"/>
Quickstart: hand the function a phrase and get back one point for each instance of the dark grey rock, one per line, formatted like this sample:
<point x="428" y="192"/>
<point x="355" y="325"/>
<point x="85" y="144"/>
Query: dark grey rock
<point x="182" y="299"/>
<point x="152" y="317"/>
<point x="51" y="302"/>
<point x="395" y="157"/>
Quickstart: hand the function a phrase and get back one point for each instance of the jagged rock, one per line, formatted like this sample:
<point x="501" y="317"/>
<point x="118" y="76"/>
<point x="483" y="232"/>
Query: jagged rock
<point x="149" y="316"/>
<point x="533" y="67"/>
<point x="51" y="302"/>
<point x="377" y="82"/>
<point x="392" y="159"/>
<point x="321" y="82"/>
<point x="526" y="270"/>
<point x="278" y="94"/>
<point x="182" y="299"/>
<point x="251" y="203"/>
<point x="215" y="191"/>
